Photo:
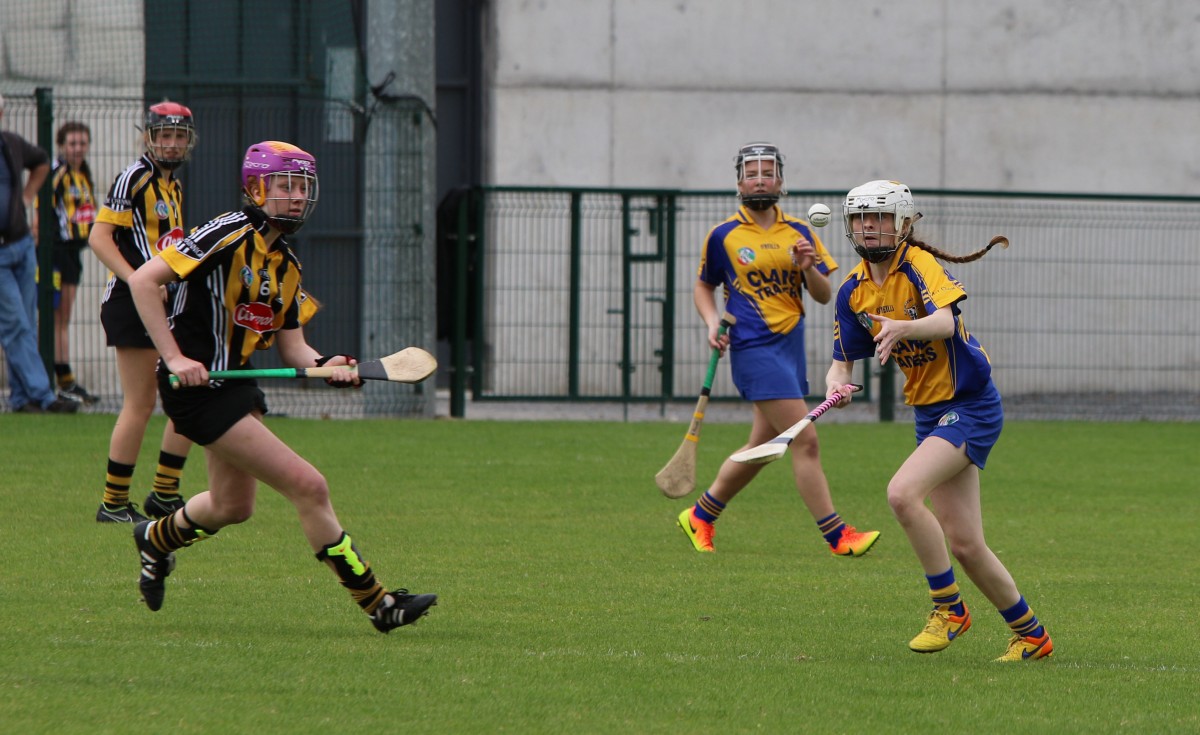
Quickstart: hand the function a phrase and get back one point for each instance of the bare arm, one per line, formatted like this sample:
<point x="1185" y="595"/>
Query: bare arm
<point x="704" y="296"/>
<point x="838" y="376"/>
<point x="938" y="325"/>
<point x="37" y="176"/>
<point x="804" y="257"/>
<point x="145" y="285"/>
<point x="101" y="241"/>
<point x="818" y="285"/>
<point x="295" y="351"/>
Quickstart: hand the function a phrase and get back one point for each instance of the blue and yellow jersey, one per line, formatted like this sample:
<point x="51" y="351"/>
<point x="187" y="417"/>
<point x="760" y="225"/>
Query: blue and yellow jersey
<point x="147" y="211"/>
<point x="237" y="291"/>
<point x="73" y="200"/>
<point x="916" y="285"/>
<point x="762" y="286"/>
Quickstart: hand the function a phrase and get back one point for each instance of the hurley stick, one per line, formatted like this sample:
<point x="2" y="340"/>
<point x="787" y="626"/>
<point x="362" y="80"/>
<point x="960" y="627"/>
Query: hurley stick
<point x="410" y="365"/>
<point x="777" y="447"/>
<point x="678" y="477"/>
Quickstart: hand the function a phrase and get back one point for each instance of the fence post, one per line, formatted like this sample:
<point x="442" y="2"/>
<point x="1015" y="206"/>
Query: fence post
<point x="575" y="307"/>
<point x="47" y="223"/>
<point x="458" y="327"/>
<point x="668" y="312"/>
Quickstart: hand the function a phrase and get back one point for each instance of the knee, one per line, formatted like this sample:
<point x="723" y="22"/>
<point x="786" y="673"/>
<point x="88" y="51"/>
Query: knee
<point x="137" y="410"/>
<point x="232" y="512"/>
<point x="806" y="447"/>
<point x="311" y="489"/>
<point x="967" y="550"/>
<point x="904" y="501"/>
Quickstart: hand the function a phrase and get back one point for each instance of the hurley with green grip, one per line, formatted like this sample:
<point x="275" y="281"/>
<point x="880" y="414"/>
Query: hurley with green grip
<point x="410" y="365"/>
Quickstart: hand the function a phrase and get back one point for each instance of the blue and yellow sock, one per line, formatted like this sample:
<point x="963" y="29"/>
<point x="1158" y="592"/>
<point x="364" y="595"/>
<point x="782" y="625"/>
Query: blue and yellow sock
<point x="708" y="508"/>
<point x="944" y="590"/>
<point x="831" y="528"/>
<point x="1022" y="620"/>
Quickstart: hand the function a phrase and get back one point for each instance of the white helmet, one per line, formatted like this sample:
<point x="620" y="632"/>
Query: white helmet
<point x="880" y="197"/>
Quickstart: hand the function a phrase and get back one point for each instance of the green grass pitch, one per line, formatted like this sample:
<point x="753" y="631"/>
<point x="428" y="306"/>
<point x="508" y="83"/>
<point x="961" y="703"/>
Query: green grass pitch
<point x="571" y="603"/>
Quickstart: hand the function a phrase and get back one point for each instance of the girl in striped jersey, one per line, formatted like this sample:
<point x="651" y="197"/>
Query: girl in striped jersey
<point x="142" y="216"/>
<point x="240" y="292"/>
<point x="75" y="205"/>
<point x="900" y="304"/>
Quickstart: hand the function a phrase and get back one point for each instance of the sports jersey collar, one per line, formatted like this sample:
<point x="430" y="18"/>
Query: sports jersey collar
<point x="158" y="172"/>
<point x="259" y="220"/>
<point x="744" y="215"/>
<point x="899" y="256"/>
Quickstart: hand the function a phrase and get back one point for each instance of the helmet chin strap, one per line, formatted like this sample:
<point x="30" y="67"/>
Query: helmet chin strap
<point x="760" y="202"/>
<point x="875" y="255"/>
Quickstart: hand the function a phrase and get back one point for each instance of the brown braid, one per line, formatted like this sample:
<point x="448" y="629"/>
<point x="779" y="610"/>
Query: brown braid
<point x="1000" y="240"/>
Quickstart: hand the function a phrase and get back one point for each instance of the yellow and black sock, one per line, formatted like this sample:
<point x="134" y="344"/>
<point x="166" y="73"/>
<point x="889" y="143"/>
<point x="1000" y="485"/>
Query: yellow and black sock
<point x="117" y="482"/>
<point x="64" y="374"/>
<point x="1022" y="620"/>
<point x="944" y="591"/>
<point x="167" y="535"/>
<point x="168" y="474"/>
<point x="708" y="508"/>
<point x="353" y="572"/>
<point x="831" y="528"/>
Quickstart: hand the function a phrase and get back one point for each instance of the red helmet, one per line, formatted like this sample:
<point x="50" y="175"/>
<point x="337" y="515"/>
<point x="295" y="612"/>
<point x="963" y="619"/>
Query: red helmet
<point x="169" y="116"/>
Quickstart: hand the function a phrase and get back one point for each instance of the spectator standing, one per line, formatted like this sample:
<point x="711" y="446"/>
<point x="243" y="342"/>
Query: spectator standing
<point x="30" y="390"/>
<point x="75" y="207"/>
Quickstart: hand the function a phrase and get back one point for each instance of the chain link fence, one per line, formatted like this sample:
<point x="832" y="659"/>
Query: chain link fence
<point x="586" y="294"/>
<point x="365" y="252"/>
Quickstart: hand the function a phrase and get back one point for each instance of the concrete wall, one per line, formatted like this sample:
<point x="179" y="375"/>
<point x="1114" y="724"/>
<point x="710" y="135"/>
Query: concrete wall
<point x="79" y="47"/>
<point x="1041" y="95"/>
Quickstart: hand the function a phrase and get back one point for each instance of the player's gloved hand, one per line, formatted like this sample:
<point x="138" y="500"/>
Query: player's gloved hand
<point x="347" y="360"/>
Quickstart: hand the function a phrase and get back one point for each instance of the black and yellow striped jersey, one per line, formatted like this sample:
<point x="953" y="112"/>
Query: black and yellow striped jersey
<point x="147" y="211"/>
<point x="237" y="291"/>
<point x="74" y="202"/>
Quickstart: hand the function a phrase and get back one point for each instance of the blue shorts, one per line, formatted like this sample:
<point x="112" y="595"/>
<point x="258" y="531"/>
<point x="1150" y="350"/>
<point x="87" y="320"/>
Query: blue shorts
<point x="976" y="421"/>
<point x="772" y="371"/>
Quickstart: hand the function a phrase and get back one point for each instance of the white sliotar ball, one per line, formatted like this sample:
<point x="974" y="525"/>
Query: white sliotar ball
<point x="818" y="215"/>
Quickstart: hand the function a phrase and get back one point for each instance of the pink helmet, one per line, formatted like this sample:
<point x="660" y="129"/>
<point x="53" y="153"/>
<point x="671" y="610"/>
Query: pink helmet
<point x="275" y="158"/>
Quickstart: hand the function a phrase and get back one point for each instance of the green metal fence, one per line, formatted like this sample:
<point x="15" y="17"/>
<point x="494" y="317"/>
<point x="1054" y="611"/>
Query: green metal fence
<point x="367" y="255"/>
<point x="585" y="294"/>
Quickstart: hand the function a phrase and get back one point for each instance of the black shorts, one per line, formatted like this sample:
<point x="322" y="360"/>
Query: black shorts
<point x="67" y="260"/>
<point x="122" y="325"/>
<point x="205" y="414"/>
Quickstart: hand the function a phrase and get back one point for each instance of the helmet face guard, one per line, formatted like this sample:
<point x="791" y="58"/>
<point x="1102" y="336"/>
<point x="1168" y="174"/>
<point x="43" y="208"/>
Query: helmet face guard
<point x="867" y="211"/>
<point x="169" y="116"/>
<point x="274" y="171"/>
<point x="759" y="152"/>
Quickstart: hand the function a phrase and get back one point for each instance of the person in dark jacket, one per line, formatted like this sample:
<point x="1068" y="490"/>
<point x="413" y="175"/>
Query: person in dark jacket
<point x="30" y="389"/>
